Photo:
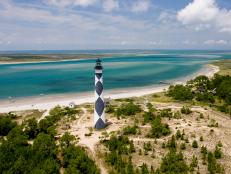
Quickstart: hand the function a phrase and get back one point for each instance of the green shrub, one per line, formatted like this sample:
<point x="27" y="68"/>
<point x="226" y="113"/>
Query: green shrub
<point x="166" y="113"/>
<point x="147" y="146"/>
<point x="130" y="130"/>
<point x="177" y="115"/>
<point x="6" y="125"/>
<point x="148" y="117"/>
<point x="182" y="146"/>
<point x="185" y="110"/>
<point x="110" y="109"/>
<point x="218" y="153"/>
<point x="194" y="144"/>
<point x="178" y="134"/>
<point x="171" y="144"/>
<point x="159" y="129"/>
<point x="212" y="123"/>
<point x="121" y="144"/>
<point x="174" y="163"/>
<point x="205" y="97"/>
<point x="119" y="147"/>
<point x="213" y="166"/>
<point x="128" y="109"/>
<point x="219" y="144"/>
<point x="193" y="163"/>
<point x="180" y="92"/>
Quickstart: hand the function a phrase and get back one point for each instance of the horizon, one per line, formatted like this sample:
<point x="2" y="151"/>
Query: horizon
<point x="115" y="49"/>
<point x="115" y="25"/>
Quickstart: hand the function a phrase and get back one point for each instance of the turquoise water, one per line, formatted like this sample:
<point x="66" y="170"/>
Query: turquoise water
<point x="34" y="79"/>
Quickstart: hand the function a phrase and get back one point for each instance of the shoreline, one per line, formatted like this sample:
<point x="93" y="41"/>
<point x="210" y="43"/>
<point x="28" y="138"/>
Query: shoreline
<point x="42" y="61"/>
<point x="105" y="55"/>
<point x="48" y="102"/>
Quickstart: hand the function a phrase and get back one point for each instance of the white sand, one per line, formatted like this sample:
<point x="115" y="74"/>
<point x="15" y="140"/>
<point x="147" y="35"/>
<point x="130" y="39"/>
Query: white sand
<point x="34" y="62"/>
<point x="48" y="102"/>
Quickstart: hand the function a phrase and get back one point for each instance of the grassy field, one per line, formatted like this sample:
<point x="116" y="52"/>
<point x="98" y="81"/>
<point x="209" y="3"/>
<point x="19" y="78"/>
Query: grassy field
<point x="225" y="67"/>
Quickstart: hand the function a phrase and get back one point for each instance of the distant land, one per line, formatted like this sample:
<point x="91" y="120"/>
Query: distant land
<point x="24" y="56"/>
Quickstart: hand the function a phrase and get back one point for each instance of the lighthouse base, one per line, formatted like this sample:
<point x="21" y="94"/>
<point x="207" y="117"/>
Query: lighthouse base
<point x="100" y="124"/>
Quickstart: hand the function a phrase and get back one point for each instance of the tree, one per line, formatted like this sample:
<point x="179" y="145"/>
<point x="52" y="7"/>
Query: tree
<point x="213" y="166"/>
<point x="144" y="169"/>
<point x="180" y="92"/>
<point x="194" y="144"/>
<point x="178" y="134"/>
<point x="217" y="153"/>
<point x="76" y="161"/>
<point x="119" y="147"/>
<point x="31" y="128"/>
<point x="6" y="125"/>
<point x="159" y="129"/>
<point x="43" y="147"/>
<point x="13" y="153"/>
<point x="130" y="168"/>
<point x="66" y="140"/>
<point x="199" y="81"/>
<point x="174" y="163"/>
<point x="205" y="97"/>
<point x="193" y="163"/>
<point x="171" y="144"/>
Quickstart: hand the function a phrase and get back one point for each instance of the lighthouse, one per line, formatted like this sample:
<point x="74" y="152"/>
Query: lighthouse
<point x="99" y="115"/>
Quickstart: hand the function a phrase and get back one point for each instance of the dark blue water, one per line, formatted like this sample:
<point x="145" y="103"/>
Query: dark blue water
<point x="24" y="80"/>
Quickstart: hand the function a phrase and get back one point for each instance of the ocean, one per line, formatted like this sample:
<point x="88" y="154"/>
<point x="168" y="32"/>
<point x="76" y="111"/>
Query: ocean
<point x="133" y="68"/>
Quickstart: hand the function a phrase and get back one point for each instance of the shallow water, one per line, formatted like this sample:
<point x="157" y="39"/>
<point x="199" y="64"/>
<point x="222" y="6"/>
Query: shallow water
<point x="34" y="79"/>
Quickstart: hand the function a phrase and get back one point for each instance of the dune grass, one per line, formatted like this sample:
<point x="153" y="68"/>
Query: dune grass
<point x="225" y="67"/>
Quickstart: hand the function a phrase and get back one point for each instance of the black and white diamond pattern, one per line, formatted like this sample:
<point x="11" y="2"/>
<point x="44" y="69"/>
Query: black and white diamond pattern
<point x="99" y="120"/>
<point x="99" y="88"/>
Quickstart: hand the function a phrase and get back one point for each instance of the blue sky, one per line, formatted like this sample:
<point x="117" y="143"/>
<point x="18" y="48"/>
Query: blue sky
<point x="115" y="24"/>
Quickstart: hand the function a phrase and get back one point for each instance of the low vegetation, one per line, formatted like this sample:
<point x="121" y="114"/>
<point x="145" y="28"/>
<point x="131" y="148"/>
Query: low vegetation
<point x="216" y="92"/>
<point x="158" y="128"/>
<point x="225" y="67"/>
<point x="128" y="109"/>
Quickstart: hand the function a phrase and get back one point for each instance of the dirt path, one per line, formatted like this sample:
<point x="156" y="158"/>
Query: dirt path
<point x="46" y="113"/>
<point x="80" y="128"/>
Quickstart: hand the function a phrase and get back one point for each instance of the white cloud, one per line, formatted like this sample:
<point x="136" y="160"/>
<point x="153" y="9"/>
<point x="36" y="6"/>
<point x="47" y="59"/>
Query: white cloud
<point x="110" y="5"/>
<point x="204" y="14"/>
<point x="66" y="3"/>
<point x="189" y="42"/>
<point x="141" y="6"/>
<point x="35" y="26"/>
<point x="10" y="11"/>
<point x="216" y="42"/>
<point x="38" y="26"/>
<point x="198" y="11"/>
<point x="160" y="42"/>
<point x="107" y="5"/>
<point x="167" y="17"/>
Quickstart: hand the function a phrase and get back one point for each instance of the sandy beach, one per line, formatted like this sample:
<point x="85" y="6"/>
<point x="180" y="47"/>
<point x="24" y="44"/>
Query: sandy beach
<point x="48" y="102"/>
